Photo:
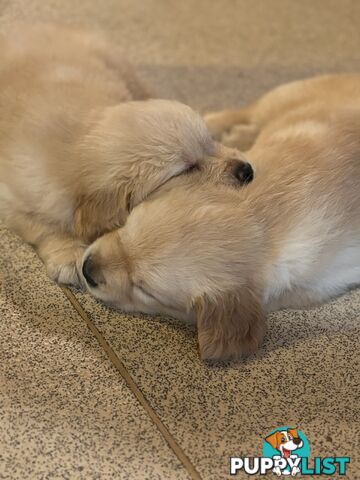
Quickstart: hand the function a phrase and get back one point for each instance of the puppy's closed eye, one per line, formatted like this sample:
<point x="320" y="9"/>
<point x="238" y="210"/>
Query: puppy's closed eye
<point x="195" y="167"/>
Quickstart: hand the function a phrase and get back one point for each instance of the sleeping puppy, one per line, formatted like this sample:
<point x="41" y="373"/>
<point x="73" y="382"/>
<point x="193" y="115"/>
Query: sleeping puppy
<point x="77" y="154"/>
<point x="224" y="258"/>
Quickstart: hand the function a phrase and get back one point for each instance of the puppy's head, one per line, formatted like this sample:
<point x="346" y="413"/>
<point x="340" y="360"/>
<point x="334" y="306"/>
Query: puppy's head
<point x="286" y="441"/>
<point x="135" y="148"/>
<point x="186" y="253"/>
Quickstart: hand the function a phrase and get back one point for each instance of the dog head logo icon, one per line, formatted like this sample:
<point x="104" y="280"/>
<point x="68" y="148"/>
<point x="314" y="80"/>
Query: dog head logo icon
<point x="285" y="441"/>
<point x="286" y="446"/>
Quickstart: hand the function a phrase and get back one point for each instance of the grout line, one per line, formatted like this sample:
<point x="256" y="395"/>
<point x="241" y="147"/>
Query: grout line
<point x="119" y="365"/>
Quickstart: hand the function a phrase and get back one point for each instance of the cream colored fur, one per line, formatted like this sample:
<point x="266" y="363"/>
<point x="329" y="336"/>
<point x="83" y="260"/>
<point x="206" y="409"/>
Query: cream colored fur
<point x="291" y="238"/>
<point x="77" y="154"/>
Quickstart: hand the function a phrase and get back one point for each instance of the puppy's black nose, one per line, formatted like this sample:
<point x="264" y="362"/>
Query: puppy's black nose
<point x="297" y="440"/>
<point x="244" y="172"/>
<point x="88" y="272"/>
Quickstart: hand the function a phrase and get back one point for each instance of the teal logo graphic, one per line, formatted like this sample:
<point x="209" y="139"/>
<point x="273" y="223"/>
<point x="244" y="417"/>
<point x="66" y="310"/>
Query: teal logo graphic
<point x="289" y="444"/>
<point x="286" y="452"/>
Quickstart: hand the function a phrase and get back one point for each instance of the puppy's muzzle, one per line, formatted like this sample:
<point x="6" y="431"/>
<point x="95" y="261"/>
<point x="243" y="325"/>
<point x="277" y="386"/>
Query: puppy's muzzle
<point x="243" y="172"/>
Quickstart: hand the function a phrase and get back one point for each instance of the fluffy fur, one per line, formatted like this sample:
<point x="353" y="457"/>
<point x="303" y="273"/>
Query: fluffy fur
<point x="291" y="238"/>
<point x="77" y="154"/>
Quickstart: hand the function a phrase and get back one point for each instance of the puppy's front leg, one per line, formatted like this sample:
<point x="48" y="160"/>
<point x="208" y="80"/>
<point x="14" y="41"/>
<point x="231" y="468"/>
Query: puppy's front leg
<point x="59" y="251"/>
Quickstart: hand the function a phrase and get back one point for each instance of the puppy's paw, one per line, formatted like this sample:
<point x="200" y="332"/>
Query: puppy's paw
<point x="63" y="274"/>
<point x="62" y="267"/>
<point x="277" y="471"/>
<point x="240" y="136"/>
<point x="295" y="471"/>
<point x="225" y="128"/>
<point x="218" y="124"/>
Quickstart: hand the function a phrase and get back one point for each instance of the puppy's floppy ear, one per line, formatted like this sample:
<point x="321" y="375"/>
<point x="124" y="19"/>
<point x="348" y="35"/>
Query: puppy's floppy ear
<point x="274" y="440"/>
<point x="293" y="432"/>
<point x="229" y="325"/>
<point x="99" y="213"/>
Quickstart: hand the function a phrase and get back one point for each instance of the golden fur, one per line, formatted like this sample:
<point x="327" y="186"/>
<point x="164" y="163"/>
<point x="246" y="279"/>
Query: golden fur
<point x="224" y="258"/>
<point x="77" y="154"/>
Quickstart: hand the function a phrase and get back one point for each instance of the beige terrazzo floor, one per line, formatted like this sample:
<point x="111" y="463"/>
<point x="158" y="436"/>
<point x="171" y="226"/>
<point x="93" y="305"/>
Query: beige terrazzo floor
<point x="66" y="408"/>
<point x="65" y="411"/>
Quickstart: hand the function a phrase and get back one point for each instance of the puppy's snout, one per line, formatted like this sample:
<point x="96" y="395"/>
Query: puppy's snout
<point x="243" y="172"/>
<point x="297" y="440"/>
<point x="89" y="272"/>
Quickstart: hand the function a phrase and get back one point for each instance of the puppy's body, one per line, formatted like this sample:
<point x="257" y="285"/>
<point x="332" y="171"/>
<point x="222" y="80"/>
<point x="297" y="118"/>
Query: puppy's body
<point x="289" y="239"/>
<point x="76" y="153"/>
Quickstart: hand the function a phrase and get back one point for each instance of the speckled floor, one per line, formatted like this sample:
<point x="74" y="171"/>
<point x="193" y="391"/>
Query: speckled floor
<point x="88" y="393"/>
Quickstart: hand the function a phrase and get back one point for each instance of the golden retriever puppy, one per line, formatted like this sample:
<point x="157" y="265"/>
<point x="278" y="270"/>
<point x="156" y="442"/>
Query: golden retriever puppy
<point x="77" y="154"/>
<point x="223" y="258"/>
